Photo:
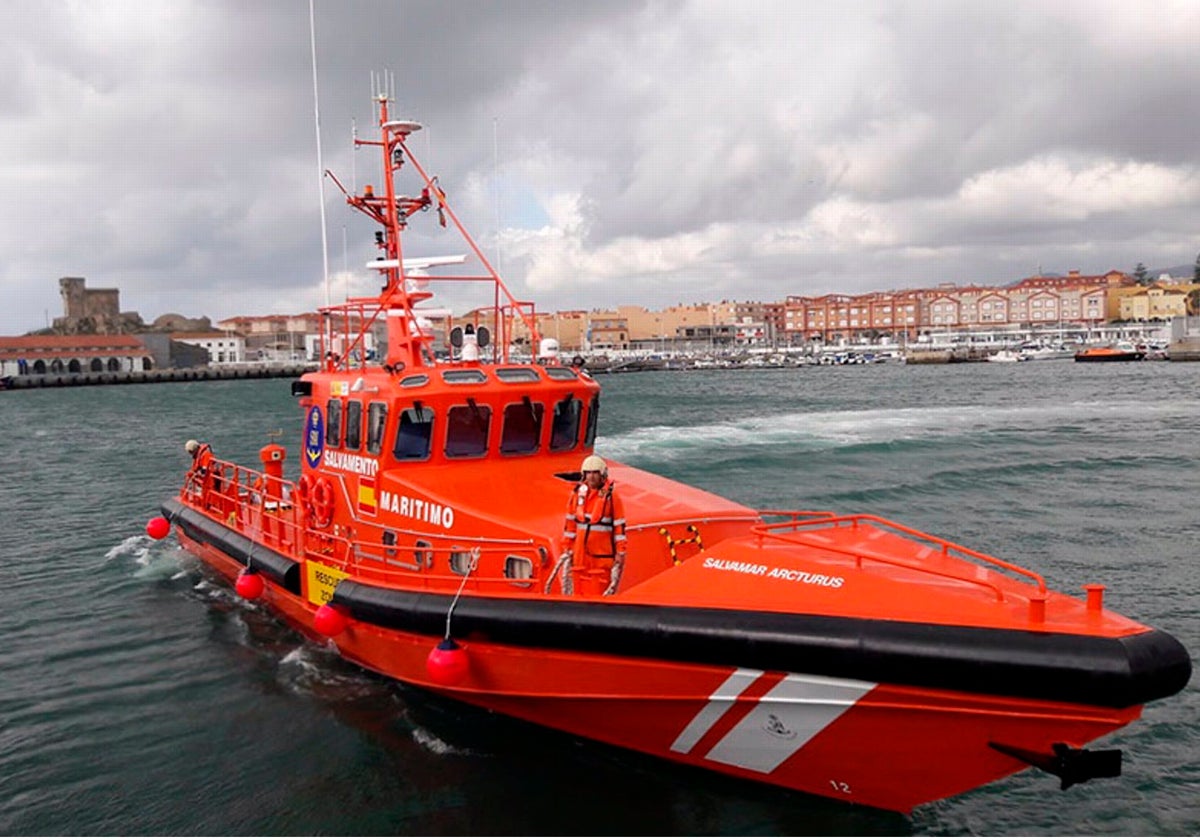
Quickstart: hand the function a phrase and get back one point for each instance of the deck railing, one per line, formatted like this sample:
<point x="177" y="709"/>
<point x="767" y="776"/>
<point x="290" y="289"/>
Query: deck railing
<point x="798" y="527"/>
<point x="270" y="511"/>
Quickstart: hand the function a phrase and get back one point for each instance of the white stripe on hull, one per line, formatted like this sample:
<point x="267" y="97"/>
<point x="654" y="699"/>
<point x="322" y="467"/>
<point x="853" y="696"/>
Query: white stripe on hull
<point x="785" y="719"/>
<point x="718" y="704"/>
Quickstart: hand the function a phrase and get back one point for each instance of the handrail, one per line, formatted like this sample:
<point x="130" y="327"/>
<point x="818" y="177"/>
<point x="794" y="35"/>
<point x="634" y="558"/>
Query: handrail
<point x="691" y="520"/>
<point x="231" y="490"/>
<point x="798" y="520"/>
<point x="385" y="572"/>
<point x="242" y="489"/>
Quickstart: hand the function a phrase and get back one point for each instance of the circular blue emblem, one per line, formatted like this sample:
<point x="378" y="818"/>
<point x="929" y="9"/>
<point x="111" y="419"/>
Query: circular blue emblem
<point x="314" y="437"/>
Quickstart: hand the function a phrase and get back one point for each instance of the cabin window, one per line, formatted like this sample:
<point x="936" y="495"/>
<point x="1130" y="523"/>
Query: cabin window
<point x="376" y="423"/>
<point x="592" y="421"/>
<point x="333" y="423"/>
<point x="518" y="568"/>
<point x="414" y="433"/>
<point x="353" y="424"/>
<point x="467" y="430"/>
<point x="522" y="428"/>
<point x="565" y="429"/>
<point x="414" y="381"/>
<point x="560" y="373"/>
<point x="463" y="377"/>
<point x="389" y="541"/>
<point x="516" y="374"/>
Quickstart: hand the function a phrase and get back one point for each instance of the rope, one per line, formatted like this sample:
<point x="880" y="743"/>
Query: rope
<point x="470" y="568"/>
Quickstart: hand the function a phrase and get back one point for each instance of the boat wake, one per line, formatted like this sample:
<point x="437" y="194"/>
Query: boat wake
<point x="138" y="547"/>
<point x="318" y="671"/>
<point x="156" y="561"/>
<point x="875" y="427"/>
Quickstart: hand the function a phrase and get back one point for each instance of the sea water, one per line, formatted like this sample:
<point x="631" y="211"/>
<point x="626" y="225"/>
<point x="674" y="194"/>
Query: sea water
<point x="140" y="696"/>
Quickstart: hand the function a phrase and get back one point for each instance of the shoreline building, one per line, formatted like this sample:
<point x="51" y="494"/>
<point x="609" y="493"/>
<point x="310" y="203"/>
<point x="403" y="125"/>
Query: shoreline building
<point x="224" y="348"/>
<point x="62" y="355"/>
<point x="275" y="337"/>
<point x="1031" y="304"/>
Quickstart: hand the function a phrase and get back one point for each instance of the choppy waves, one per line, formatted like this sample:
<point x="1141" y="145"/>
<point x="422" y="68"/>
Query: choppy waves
<point x="143" y="697"/>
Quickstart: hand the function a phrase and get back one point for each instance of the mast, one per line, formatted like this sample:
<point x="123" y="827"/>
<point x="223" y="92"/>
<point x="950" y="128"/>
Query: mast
<point x="409" y="345"/>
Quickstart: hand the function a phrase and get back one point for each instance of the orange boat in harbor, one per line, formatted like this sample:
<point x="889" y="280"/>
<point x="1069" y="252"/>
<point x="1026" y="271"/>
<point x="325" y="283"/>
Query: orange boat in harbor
<point x="1120" y="352"/>
<point x="842" y="655"/>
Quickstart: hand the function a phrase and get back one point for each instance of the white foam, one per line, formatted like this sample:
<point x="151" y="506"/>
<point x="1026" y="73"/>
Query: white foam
<point x="833" y="429"/>
<point x="435" y="744"/>
<point x="137" y="546"/>
<point x="296" y="657"/>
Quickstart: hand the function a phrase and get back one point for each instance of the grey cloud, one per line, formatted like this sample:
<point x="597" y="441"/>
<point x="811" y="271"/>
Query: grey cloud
<point x="765" y="148"/>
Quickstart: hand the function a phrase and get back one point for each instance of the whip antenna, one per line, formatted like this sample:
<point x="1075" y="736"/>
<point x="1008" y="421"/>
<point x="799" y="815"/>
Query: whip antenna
<point x="312" y="31"/>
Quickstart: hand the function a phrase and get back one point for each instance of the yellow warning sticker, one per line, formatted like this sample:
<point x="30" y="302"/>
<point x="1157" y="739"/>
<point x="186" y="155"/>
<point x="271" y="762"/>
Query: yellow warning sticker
<point x="321" y="580"/>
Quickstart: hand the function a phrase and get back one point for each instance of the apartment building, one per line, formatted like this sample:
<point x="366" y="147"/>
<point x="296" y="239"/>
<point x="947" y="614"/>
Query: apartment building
<point x="1032" y="302"/>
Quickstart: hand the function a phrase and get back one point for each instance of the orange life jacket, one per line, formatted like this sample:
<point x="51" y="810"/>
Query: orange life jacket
<point x="202" y="458"/>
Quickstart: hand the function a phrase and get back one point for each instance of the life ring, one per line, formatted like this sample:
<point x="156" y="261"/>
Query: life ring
<point x="322" y="502"/>
<point x="304" y="489"/>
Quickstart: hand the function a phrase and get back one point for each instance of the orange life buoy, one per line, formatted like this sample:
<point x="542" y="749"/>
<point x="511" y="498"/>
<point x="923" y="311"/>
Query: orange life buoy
<point x="304" y="500"/>
<point x="322" y="502"/>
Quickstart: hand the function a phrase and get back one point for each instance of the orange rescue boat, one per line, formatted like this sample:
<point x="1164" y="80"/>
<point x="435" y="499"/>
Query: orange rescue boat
<point x="845" y="656"/>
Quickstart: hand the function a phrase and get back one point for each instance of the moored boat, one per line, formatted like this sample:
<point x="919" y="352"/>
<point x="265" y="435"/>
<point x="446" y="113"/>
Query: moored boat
<point x="1122" y="351"/>
<point x="842" y="655"/>
<point x="1045" y="352"/>
<point x="1007" y="355"/>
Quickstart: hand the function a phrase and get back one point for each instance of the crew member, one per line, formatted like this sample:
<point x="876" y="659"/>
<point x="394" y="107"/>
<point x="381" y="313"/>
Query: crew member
<point x="202" y="457"/>
<point x="593" y="540"/>
<point x="202" y="466"/>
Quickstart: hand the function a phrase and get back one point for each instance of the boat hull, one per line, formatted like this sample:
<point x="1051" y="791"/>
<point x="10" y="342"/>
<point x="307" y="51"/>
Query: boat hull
<point x="1114" y="356"/>
<point x="838" y="717"/>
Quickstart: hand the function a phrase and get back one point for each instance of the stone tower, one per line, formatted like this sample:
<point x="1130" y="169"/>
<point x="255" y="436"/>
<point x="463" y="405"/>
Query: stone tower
<point x="73" y="295"/>
<point x="90" y="311"/>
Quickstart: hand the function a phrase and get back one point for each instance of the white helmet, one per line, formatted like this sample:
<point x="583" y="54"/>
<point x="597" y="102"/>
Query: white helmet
<point x="192" y="445"/>
<point x="594" y="463"/>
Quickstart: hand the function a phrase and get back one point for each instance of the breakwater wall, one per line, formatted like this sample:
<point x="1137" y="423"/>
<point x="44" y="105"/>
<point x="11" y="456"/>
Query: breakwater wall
<point x="1187" y="350"/>
<point x="144" y="377"/>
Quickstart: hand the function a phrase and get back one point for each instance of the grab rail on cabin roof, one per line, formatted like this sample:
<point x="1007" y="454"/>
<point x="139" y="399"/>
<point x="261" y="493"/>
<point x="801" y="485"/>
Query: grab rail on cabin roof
<point x="795" y="521"/>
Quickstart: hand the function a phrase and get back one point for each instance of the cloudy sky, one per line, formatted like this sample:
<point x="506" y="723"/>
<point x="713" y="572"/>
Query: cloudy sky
<point x="603" y="152"/>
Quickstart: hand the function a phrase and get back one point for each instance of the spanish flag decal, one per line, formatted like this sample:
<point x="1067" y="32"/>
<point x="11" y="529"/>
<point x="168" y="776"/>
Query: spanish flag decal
<point x="366" y="495"/>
